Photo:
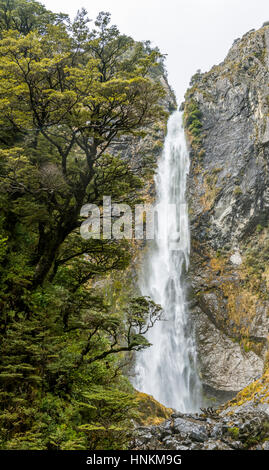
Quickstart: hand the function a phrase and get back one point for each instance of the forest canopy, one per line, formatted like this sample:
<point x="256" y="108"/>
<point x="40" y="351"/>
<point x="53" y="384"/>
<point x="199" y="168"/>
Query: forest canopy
<point x="68" y="90"/>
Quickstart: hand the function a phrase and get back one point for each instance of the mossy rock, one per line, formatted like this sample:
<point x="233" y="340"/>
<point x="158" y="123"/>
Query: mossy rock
<point x="257" y="392"/>
<point x="234" y="432"/>
<point x="150" y="411"/>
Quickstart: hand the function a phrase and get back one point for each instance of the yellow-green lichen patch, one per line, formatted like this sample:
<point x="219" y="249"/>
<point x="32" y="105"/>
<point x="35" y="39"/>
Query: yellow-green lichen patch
<point x="257" y="392"/>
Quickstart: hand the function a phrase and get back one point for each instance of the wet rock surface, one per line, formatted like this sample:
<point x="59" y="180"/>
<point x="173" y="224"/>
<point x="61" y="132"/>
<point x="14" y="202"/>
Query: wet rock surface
<point x="232" y="429"/>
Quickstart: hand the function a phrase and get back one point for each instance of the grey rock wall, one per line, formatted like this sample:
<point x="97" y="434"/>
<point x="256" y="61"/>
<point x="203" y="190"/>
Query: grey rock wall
<point x="229" y="211"/>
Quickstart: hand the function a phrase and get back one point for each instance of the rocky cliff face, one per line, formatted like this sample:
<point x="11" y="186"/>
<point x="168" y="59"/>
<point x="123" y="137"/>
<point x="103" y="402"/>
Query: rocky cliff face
<point x="226" y="114"/>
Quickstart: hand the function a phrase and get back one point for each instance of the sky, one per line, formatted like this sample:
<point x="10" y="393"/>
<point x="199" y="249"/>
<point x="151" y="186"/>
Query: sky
<point x="195" y="34"/>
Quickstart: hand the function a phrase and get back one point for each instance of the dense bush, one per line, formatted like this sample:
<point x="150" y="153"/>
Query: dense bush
<point x="66" y="93"/>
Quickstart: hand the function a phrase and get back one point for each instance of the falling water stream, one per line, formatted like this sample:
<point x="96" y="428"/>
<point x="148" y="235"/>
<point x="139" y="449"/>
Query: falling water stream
<point x="167" y="370"/>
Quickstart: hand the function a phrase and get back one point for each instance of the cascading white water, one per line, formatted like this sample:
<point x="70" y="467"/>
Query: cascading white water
<point x="167" y="370"/>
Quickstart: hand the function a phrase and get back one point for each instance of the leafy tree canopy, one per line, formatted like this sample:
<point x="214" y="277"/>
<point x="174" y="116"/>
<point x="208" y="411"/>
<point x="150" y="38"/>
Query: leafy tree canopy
<point x="68" y="91"/>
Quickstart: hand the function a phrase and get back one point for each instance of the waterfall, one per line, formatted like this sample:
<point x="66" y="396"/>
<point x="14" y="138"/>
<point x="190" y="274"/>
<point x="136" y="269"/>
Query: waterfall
<point x="167" y="370"/>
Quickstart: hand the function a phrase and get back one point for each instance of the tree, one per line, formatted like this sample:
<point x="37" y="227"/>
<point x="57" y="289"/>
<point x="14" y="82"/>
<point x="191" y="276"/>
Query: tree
<point x="74" y="109"/>
<point x="67" y="92"/>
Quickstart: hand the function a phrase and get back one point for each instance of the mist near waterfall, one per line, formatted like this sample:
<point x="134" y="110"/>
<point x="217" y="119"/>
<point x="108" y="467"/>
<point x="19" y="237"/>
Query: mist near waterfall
<point x="168" y="369"/>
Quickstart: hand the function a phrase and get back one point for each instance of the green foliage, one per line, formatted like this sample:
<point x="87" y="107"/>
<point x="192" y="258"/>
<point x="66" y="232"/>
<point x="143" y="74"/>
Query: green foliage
<point x="234" y="432"/>
<point x="193" y="124"/>
<point x="237" y="191"/>
<point x="67" y="92"/>
<point x="26" y="16"/>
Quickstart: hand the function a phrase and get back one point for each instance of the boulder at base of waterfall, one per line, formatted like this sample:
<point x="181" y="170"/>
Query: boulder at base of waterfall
<point x="195" y="431"/>
<point x="233" y="428"/>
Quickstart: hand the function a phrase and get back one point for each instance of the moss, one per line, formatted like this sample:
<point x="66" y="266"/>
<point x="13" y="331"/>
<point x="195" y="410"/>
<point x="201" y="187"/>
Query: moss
<point x="150" y="411"/>
<point x="193" y="123"/>
<point x="257" y="261"/>
<point x="247" y="347"/>
<point x="157" y="146"/>
<point x="237" y="191"/>
<point x="240" y="290"/>
<point x="234" y="432"/>
<point x="239" y="295"/>
<point x="261" y="55"/>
